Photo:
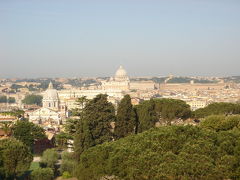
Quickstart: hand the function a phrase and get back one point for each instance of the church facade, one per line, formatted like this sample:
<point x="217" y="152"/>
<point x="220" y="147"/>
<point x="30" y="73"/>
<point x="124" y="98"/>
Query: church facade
<point x="50" y="114"/>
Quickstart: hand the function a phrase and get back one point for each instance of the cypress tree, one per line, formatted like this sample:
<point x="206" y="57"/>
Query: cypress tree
<point x="94" y="126"/>
<point x="126" y="118"/>
<point x="147" y="115"/>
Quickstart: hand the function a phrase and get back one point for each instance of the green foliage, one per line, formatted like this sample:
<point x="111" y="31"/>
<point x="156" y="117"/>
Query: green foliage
<point x="49" y="158"/>
<point x="161" y="110"/>
<point x="221" y="122"/>
<point x="68" y="163"/>
<point x="217" y="109"/>
<point x="147" y="116"/>
<point x="170" y="109"/>
<point x="34" y="166"/>
<point x="61" y="140"/>
<point x="42" y="174"/>
<point x="16" y="113"/>
<point x="3" y="99"/>
<point x="15" y="158"/>
<point x="169" y="152"/>
<point x="81" y="102"/>
<point x="179" y="80"/>
<point x="126" y="121"/>
<point x="11" y="100"/>
<point x="33" y="99"/>
<point x="70" y="126"/>
<point x="94" y="124"/>
<point x="28" y="133"/>
<point x="16" y="86"/>
<point x="6" y="127"/>
<point x="66" y="175"/>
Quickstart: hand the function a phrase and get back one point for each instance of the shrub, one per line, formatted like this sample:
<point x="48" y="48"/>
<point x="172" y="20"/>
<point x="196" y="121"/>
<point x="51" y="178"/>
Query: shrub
<point x="42" y="174"/>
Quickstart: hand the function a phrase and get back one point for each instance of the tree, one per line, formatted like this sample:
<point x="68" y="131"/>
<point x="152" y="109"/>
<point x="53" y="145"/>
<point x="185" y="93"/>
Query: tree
<point x="170" y="109"/>
<point x="164" y="111"/>
<point x="221" y="108"/>
<point x="3" y="99"/>
<point x="16" y="86"/>
<point x="81" y="102"/>
<point x="167" y="152"/>
<point x="16" y="113"/>
<point x="70" y="126"/>
<point x="33" y="99"/>
<point x="126" y="121"/>
<point x="62" y="140"/>
<point x="28" y="133"/>
<point x="68" y="163"/>
<point x="49" y="158"/>
<point x="94" y="124"/>
<point x="147" y="116"/>
<point x="42" y="174"/>
<point x="11" y="100"/>
<point x="221" y="122"/>
<point x="15" y="158"/>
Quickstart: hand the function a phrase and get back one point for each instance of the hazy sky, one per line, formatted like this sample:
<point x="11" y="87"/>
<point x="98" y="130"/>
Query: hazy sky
<point x="67" y="38"/>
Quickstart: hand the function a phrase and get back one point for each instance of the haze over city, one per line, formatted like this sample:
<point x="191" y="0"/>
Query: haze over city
<point x="92" y="38"/>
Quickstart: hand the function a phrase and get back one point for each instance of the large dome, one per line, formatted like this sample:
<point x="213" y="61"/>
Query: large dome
<point x="50" y="93"/>
<point x="121" y="74"/>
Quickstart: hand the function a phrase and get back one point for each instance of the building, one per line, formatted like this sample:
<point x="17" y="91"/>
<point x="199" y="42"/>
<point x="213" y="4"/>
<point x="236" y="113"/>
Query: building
<point x="50" y="98"/>
<point x="50" y="115"/>
<point x="119" y="82"/>
<point x="197" y="104"/>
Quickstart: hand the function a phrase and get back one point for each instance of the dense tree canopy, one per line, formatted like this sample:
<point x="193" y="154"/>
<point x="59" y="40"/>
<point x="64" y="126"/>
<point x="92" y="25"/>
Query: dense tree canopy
<point x="221" y="122"/>
<point x="161" y="110"/>
<point x="94" y="125"/>
<point x="126" y="121"/>
<point x="170" y="152"/>
<point x="170" y="109"/>
<point x="146" y="115"/>
<point x="217" y="109"/>
<point x="33" y="99"/>
<point x="28" y="133"/>
<point x="15" y="158"/>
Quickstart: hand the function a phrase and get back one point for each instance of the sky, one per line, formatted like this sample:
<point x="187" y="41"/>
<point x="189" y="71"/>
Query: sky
<point x="92" y="38"/>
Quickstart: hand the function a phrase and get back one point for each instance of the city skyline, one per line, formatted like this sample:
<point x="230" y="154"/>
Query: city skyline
<point x="91" y="39"/>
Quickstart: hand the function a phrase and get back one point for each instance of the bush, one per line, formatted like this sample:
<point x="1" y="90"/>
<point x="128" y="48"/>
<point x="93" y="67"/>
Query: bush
<point x="42" y="174"/>
<point x="49" y="158"/>
<point x="68" y="163"/>
<point x="66" y="175"/>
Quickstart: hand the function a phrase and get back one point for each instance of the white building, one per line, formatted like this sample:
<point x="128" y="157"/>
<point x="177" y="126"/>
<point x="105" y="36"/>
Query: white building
<point x="49" y="114"/>
<point x="197" y="104"/>
<point x="119" y="82"/>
